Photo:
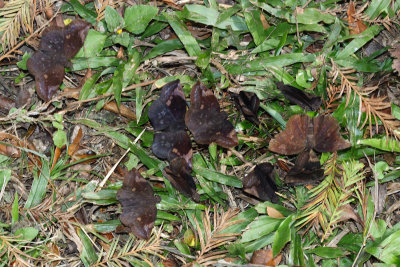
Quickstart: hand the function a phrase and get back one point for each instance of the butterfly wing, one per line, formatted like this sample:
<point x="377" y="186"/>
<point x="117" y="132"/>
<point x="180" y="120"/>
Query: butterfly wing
<point x="138" y="204"/>
<point x="57" y="46"/>
<point x="307" y="101"/>
<point x="178" y="173"/>
<point x="48" y="74"/>
<point x="326" y="135"/>
<point x="261" y="183"/>
<point x="169" y="110"/>
<point x="293" y="139"/>
<point x="169" y="145"/>
<point x="206" y="122"/>
<point x="74" y="36"/>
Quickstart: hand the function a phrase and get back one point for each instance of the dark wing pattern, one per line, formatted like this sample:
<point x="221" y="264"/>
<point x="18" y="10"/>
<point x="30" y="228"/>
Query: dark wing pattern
<point x="138" y="204"/>
<point x="307" y="101"/>
<point x="326" y="135"/>
<point x="57" y="47"/>
<point x="168" y="112"/>
<point x="205" y="120"/>
<point x="293" y="139"/>
<point x="178" y="173"/>
<point x="261" y="183"/>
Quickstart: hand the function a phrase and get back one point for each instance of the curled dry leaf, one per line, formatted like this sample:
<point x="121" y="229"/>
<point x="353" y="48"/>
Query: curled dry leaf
<point x="265" y="257"/>
<point x="248" y="103"/>
<point x="57" y="47"/>
<point x="356" y="26"/>
<point x="138" y="204"/>
<point x="319" y="133"/>
<point x="261" y="183"/>
<point x="205" y="120"/>
<point x="307" y="101"/>
<point x="179" y="175"/>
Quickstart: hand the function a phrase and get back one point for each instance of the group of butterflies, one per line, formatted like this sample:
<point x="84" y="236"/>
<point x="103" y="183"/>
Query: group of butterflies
<point x="170" y="118"/>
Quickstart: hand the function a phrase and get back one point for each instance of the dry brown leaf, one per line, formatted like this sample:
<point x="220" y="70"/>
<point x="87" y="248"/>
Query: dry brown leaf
<point x="347" y="213"/>
<point x="170" y="263"/>
<point x="381" y="198"/>
<point x="356" y="26"/>
<point x="274" y="213"/>
<point x="264" y="21"/>
<point x="10" y="151"/>
<point x="74" y="146"/>
<point x="264" y="257"/>
<point x="122" y="110"/>
<point x="57" y="153"/>
<point x="6" y="104"/>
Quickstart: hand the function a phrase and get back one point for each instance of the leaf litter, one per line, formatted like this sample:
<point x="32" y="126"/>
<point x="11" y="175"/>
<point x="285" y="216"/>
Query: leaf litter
<point x="137" y="69"/>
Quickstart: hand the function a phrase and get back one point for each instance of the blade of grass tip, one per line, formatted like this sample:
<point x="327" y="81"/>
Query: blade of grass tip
<point x="102" y="183"/>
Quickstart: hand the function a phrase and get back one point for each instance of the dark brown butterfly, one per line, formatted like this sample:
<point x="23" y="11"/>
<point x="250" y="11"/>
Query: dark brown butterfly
<point x="248" y="103"/>
<point x="178" y="173"/>
<point x="167" y="115"/>
<point x="169" y="145"/>
<point x="138" y="204"/>
<point x="307" y="101"/>
<point x="57" y="47"/>
<point x="261" y="183"/>
<point x="168" y="111"/>
<point x="307" y="169"/>
<point x="319" y="133"/>
<point x="205" y="120"/>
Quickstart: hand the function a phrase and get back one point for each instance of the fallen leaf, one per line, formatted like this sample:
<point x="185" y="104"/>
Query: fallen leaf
<point x="265" y="257"/>
<point x="6" y="104"/>
<point x="274" y="213"/>
<point x="76" y="141"/>
<point x="347" y="212"/>
<point x="205" y="120"/>
<point x="138" y="204"/>
<point x="122" y="110"/>
<point x="356" y="26"/>
<point x="57" y="47"/>
<point x="395" y="52"/>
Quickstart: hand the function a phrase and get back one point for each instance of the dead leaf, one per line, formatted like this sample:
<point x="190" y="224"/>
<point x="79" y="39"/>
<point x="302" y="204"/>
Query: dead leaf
<point x="122" y="110"/>
<point x="347" y="213"/>
<point x="264" y="257"/>
<point x="356" y="26"/>
<point x="6" y="104"/>
<point x="77" y="137"/>
<point x="274" y="213"/>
